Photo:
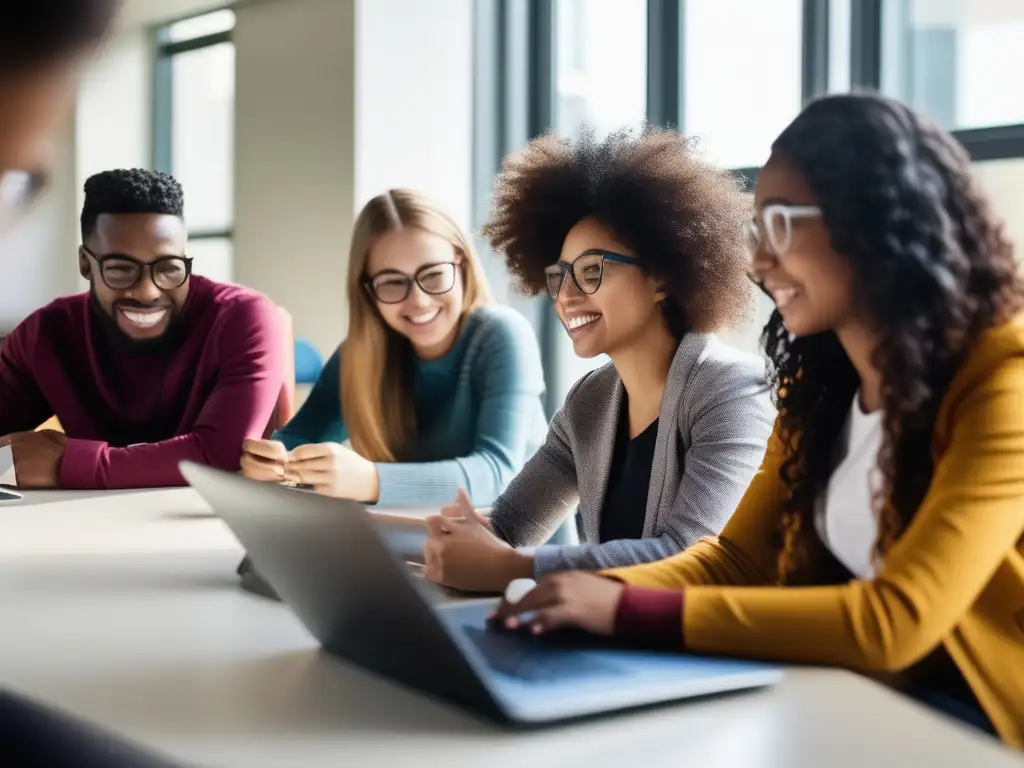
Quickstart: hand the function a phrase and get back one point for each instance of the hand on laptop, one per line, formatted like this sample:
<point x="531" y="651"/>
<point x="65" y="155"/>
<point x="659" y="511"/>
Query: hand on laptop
<point x="572" y="599"/>
<point x="37" y="457"/>
<point x="464" y="553"/>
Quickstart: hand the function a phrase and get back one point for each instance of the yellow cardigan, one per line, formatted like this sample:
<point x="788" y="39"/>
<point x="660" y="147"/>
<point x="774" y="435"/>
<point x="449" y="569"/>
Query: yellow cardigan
<point x="956" y="575"/>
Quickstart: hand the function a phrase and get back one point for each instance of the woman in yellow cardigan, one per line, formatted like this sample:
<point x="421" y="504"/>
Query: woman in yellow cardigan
<point x="885" y="529"/>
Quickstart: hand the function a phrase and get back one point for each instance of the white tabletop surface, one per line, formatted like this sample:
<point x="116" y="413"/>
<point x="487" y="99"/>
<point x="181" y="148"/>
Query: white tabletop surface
<point x="125" y="609"/>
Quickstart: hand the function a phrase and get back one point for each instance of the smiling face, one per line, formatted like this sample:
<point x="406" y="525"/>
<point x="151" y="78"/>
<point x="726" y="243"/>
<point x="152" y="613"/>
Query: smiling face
<point x="620" y="311"/>
<point x="145" y="311"/>
<point x="429" y="315"/>
<point x="810" y="283"/>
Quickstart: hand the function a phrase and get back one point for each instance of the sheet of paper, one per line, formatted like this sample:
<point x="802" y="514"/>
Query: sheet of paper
<point x="7" y="475"/>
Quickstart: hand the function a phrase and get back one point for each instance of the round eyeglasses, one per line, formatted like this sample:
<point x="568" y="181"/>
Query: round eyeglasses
<point x="587" y="271"/>
<point x="19" y="190"/>
<point x="122" y="273"/>
<point x="390" y="286"/>
<point x="773" y="228"/>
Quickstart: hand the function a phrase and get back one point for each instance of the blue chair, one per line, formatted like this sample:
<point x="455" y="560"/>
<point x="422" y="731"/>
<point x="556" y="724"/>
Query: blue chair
<point x="308" y="362"/>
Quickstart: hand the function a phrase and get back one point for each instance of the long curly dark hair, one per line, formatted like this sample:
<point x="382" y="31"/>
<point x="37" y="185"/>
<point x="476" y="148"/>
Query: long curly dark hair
<point x="932" y="266"/>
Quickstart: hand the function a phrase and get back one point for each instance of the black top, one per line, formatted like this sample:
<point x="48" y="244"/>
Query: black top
<point x="625" y="501"/>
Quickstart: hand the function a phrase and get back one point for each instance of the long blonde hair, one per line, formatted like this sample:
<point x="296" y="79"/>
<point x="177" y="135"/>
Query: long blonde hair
<point x="377" y="362"/>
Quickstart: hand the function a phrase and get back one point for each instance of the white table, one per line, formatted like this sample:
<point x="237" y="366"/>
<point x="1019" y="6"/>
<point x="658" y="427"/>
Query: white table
<point x="124" y="609"/>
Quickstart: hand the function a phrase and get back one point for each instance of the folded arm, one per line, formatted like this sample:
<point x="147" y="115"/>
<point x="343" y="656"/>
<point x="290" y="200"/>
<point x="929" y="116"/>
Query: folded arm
<point x="248" y="386"/>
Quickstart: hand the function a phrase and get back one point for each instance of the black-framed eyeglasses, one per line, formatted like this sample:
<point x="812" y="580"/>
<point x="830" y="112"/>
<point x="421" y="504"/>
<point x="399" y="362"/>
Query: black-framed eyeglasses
<point x="389" y="286"/>
<point x="19" y="191"/>
<point x="587" y="271"/>
<point x="122" y="273"/>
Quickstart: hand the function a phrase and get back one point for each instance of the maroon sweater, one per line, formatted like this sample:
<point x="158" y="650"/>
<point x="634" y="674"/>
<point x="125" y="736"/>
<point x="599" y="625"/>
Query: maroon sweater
<point x="132" y="415"/>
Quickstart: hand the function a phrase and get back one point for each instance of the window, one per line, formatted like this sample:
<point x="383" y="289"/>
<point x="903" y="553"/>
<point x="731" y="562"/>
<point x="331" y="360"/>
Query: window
<point x="839" y="15"/>
<point x="1003" y="180"/>
<point x="741" y="84"/>
<point x="601" y="70"/>
<point x="194" y="127"/>
<point x="600" y="81"/>
<point x="957" y="60"/>
<point x="735" y="74"/>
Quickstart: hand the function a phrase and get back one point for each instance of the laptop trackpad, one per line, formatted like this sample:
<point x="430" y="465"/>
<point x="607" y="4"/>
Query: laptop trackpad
<point x="555" y="659"/>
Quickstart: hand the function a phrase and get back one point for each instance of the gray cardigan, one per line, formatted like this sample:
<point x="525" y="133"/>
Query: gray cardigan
<point x="714" y="423"/>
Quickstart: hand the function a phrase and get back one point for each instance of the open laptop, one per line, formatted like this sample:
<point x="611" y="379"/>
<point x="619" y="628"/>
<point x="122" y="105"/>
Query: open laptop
<point x="330" y="562"/>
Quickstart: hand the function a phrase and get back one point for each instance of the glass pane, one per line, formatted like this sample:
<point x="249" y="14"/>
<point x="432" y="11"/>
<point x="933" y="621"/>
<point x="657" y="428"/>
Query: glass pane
<point x="1004" y="182"/>
<point x="742" y="75"/>
<point x="958" y="61"/>
<point x="600" y="81"/>
<point x="601" y="73"/>
<point x="214" y="258"/>
<point x="202" y="133"/>
<point x="200" y="26"/>
<point x="839" y="30"/>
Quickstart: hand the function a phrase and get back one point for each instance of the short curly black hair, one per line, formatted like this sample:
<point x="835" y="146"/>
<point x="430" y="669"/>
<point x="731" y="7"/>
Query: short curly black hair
<point x="130" y="191"/>
<point x="45" y="31"/>
<point x="933" y="268"/>
<point x="680" y="214"/>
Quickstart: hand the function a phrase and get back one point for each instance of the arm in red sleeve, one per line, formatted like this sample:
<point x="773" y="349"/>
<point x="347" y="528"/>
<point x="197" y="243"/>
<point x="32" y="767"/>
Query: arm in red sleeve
<point x="650" y="618"/>
<point x="251" y="344"/>
<point x="22" y="404"/>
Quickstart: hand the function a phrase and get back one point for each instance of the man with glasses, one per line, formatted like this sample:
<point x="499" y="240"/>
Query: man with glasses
<point x="151" y="366"/>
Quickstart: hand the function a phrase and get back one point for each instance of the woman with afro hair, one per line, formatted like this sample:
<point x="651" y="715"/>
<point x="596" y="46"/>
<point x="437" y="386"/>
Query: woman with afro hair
<point x="636" y="239"/>
<point x="885" y="529"/>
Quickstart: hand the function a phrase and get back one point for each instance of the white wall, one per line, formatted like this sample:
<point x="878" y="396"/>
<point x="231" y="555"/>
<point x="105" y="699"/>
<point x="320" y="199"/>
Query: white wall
<point x="140" y="13"/>
<point x="113" y="120"/>
<point x="114" y="109"/>
<point x="294" y="158"/>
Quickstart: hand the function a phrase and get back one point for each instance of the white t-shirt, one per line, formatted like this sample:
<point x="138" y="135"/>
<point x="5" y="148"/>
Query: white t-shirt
<point x="844" y="518"/>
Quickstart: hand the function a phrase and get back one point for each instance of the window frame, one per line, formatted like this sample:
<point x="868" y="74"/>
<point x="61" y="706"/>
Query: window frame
<point x="164" y="51"/>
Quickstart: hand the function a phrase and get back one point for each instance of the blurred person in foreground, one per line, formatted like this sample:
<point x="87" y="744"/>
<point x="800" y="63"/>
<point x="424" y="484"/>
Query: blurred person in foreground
<point x="42" y="45"/>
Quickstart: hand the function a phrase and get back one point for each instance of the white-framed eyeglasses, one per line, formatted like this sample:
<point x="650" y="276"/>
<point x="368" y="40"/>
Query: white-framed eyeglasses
<point x="18" y="191"/>
<point x="773" y="228"/>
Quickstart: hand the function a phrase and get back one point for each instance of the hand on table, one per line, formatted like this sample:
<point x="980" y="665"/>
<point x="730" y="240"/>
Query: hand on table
<point x="37" y="457"/>
<point x="331" y="469"/>
<point x="463" y="552"/>
<point x="570" y="599"/>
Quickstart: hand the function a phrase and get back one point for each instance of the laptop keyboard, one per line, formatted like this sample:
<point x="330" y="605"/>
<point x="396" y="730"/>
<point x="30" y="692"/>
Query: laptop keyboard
<point x="534" y="659"/>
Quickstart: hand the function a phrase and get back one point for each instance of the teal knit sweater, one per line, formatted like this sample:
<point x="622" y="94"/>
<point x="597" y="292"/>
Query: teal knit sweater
<point x="479" y="414"/>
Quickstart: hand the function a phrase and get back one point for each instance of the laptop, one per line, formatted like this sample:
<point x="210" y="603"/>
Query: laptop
<point x="331" y="564"/>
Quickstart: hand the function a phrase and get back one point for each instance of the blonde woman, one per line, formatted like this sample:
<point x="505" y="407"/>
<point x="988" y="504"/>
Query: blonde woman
<point x="435" y="388"/>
